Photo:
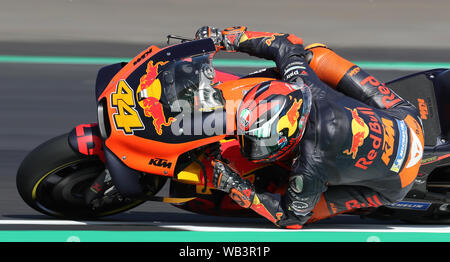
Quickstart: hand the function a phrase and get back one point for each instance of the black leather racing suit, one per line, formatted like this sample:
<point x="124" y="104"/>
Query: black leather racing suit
<point x="363" y="143"/>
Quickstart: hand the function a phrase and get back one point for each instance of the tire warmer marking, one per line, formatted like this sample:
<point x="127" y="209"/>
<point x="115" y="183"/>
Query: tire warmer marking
<point x="88" y="142"/>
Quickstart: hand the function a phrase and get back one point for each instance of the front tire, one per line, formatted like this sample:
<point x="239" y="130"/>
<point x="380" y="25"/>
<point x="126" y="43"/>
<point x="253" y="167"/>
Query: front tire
<point x="53" y="179"/>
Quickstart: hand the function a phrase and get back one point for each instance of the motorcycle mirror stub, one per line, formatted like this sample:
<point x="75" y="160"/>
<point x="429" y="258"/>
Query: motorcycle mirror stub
<point x="176" y="37"/>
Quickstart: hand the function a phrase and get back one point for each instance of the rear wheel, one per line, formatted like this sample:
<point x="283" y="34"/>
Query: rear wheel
<point x="54" y="180"/>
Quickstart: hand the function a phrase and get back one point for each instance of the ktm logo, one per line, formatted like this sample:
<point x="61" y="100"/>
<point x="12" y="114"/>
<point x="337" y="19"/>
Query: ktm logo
<point x="149" y="51"/>
<point x="423" y="108"/>
<point x="354" y="71"/>
<point x="388" y="141"/>
<point x="159" y="162"/>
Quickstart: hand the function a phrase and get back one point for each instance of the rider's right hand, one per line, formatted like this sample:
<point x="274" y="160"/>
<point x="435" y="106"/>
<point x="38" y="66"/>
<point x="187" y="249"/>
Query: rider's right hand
<point x="226" y="179"/>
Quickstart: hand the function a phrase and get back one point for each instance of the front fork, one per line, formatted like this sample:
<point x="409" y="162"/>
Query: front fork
<point x="86" y="140"/>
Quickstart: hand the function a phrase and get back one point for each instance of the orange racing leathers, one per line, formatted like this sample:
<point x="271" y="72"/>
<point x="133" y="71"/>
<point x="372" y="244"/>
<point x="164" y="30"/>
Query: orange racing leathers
<point x="363" y="143"/>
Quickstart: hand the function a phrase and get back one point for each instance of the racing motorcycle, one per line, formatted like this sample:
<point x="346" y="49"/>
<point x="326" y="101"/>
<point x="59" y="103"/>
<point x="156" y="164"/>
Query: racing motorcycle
<point x="149" y="112"/>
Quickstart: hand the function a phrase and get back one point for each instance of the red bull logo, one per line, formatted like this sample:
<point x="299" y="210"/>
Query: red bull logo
<point x="293" y="114"/>
<point x="149" y="95"/>
<point x="360" y="132"/>
<point x="253" y="35"/>
<point x="290" y="120"/>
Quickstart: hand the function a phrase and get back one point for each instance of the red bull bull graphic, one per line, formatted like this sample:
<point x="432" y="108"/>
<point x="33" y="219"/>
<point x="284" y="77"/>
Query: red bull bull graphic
<point x="253" y="35"/>
<point x="149" y="95"/>
<point x="360" y="132"/>
<point x="376" y="136"/>
<point x="290" y="120"/>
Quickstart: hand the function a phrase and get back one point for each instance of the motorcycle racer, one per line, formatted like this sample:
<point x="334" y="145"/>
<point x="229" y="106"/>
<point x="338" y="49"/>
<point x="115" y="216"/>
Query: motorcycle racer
<point x="355" y="142"/>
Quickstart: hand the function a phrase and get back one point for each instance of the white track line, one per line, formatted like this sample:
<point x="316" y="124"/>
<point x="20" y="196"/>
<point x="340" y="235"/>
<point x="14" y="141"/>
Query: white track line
<point x="262" y="228"/>
<point x="333" y="228"/>
<point x="73" y="222"/>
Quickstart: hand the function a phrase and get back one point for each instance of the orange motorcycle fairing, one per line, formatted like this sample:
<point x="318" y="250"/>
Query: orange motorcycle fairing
<point x="151" y="156"/>
<point x="145" y="134"/>
<point x="159" y="157"/>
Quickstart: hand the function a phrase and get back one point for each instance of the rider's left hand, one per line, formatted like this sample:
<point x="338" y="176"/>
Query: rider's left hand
<point x="210" y="32"/>
<point x="225" y="39"/>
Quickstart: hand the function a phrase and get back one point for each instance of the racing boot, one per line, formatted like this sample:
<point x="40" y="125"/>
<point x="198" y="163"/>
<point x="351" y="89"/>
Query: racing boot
<point x="243" y="192"/>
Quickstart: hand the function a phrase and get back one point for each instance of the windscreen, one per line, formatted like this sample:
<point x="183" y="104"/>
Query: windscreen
<point x="187" y="84"/>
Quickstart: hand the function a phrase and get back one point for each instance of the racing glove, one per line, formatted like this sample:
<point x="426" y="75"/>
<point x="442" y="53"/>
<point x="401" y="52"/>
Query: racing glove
<point x="265" y="204"/>
<point x="285" y="49"/>
<point x="228" y="180"/>
<point x="209" y="32"/>
<point x="227" y="39"/>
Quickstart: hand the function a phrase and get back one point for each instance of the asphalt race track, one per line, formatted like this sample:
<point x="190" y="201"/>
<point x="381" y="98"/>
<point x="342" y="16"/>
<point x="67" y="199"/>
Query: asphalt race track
<point x="41" y="100"/>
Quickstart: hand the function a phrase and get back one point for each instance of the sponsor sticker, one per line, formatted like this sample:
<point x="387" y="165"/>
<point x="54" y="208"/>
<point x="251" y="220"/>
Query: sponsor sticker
<point x="402" y="144"/>
<point x="245" y="118"/>
<point x="410" y="205"/>
<point x="388" y="140"/>
<point x="423" y="108"/>
<point x="416" y="149"/>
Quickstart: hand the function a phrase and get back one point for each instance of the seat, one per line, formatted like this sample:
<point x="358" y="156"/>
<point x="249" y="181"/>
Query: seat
<point x="428" y="91"/>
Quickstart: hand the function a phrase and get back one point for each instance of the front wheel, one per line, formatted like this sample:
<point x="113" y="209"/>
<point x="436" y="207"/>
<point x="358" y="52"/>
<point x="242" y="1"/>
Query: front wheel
<point x="54" y="179"/>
